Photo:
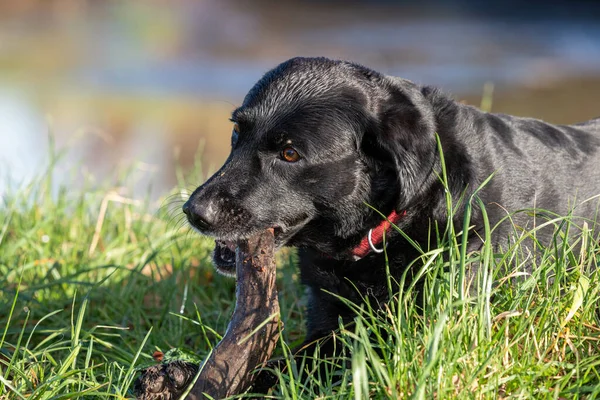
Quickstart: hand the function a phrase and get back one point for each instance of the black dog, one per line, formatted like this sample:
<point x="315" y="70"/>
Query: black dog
<point x="316" y="140"/>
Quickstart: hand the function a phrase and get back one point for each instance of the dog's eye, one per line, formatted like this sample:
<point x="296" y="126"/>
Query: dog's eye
<point x="290" y="154"/>
<point x="235" y="133"/>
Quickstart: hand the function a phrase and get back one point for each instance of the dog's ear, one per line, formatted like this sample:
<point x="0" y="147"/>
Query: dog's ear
<point x="404" y="136"/>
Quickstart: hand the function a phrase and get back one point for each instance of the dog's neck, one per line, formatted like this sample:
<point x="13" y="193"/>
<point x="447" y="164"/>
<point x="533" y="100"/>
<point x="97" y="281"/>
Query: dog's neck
<point x="374" y="239"/>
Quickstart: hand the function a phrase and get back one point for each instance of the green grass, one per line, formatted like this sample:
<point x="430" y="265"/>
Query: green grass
<point x="92" y="283"/>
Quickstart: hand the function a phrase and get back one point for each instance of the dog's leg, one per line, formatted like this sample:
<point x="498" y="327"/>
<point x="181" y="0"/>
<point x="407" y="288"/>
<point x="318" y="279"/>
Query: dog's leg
<point x="304" y="355"/>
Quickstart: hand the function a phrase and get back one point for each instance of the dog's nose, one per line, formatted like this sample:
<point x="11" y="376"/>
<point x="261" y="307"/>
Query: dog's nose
<point x="186" y="208"/>
<point x="201" y="218"/>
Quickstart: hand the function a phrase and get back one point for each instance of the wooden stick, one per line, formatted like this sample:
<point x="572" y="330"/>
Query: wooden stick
<point x="248" y="343"/>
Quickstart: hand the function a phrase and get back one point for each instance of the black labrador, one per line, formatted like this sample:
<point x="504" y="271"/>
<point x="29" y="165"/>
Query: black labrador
<point x="317" y="140"/>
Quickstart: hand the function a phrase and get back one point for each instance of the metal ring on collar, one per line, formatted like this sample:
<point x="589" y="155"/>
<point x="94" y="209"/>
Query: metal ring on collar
<point x="375" y="249"/>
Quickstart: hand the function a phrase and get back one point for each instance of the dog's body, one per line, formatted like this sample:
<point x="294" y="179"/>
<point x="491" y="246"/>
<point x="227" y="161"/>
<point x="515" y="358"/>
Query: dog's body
<point x="316" y="140"/>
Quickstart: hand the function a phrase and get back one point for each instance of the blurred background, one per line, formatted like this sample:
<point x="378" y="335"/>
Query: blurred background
<point x="151" y="83"/>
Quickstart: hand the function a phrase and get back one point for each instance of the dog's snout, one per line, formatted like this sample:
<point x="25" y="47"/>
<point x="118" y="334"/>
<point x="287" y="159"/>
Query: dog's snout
<point x="201" y="216"/>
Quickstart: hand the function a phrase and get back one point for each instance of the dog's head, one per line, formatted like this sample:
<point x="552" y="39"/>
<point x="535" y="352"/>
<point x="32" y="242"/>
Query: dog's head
<point x="313" y="142"/>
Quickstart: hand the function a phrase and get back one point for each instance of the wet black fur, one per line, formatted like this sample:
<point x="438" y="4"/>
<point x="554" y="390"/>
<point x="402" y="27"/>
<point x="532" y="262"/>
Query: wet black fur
<point x="365" y="137"/>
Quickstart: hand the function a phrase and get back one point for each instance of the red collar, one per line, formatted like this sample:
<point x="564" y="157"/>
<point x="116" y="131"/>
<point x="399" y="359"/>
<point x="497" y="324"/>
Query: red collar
<point x="375" y="236"/>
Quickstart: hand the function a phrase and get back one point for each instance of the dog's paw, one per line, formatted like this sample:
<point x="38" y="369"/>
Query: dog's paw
<point x="164" y="381"/>
<point x="265" y="378"/>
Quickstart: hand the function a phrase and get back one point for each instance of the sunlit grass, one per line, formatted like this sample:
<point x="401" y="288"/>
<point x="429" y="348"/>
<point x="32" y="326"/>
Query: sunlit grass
<point x="533" y="337"/>
<point x="94" y="281"/>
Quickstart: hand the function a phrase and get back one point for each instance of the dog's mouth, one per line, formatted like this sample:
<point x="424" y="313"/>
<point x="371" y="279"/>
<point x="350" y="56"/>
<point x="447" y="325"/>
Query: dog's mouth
<point x="224" y="253"/>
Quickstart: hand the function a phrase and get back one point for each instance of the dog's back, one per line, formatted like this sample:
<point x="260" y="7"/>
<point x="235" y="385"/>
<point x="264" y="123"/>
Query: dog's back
<point x="592" y="126"/>
<point x="554" y="169"/>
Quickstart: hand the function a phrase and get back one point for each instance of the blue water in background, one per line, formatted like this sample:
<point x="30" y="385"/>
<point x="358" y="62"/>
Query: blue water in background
<point x="451" y="54"/>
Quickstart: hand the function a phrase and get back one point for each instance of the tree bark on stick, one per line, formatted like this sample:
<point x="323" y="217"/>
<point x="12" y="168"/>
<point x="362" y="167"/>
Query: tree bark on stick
<point x="248" y="343"/>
